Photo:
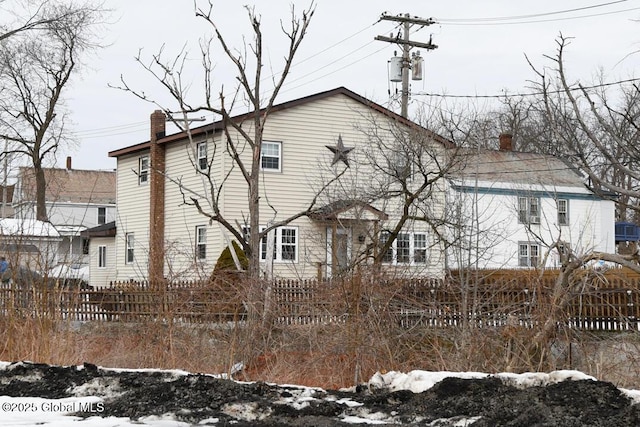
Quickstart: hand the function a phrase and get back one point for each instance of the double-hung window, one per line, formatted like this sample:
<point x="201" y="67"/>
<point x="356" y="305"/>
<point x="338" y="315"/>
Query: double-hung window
<point x="102" y="256"/>
<point x="408" y="248"/>
<point x="143" y="170"/>
<point x="528" y="254"/>
<point x="201" y="242"/>
<point x="529" y="210"/>
<point x="201" y="153"/>
<point x="129" y="248"/>
<point x="271" y="156"/>
<point x="285" y="244"/>
<point x="563" y="212"/>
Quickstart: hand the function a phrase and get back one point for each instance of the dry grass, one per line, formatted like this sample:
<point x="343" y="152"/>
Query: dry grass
<point x="329" y="355"/>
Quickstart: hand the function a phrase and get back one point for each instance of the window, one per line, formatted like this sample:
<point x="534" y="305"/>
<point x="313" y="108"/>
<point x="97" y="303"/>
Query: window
<point x="143" y="170"/>
<point x="403" y="248"/>
<point x="289" y="244"/>
<point x="285" y="244"/>
<point x="201" y="242"/>
<point x="102" y="256"/>
<point x="408" y="248"/>
<point x="201" y="151"/>
<point x="528" y="254"/>
<point x="420" y="248"/>
<point x="270" y="156"/>
<point x="529" y="210"/>
<point x="102" y="216"/>
<point x="129" y="246"/>
<point x="563" y="212"/>
<point x="388" y="256"/>
<point x="85" y="246"/>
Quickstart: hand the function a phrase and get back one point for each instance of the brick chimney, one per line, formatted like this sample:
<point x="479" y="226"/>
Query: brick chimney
<point x="68" y="163"/>
<point x="157" y="162"/>
<point x="506" y="142"/>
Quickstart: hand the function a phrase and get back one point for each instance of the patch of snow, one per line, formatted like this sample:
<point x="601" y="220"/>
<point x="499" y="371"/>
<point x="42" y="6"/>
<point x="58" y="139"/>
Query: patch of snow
<point x="98" y="387"/>
<point x="245" y="411"/>
<point x="634" y="395"/>
<point x="419" y="381"/>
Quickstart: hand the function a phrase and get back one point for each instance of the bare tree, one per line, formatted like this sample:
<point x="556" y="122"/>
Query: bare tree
<point x="593" y="126"/>
<point x="42" y="15"/>
<point x="33" y="78"/>
<point x="240" y="135"/>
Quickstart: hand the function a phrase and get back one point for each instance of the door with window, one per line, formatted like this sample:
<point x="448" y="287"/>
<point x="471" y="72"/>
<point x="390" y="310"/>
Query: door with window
<point x="338" y="249"/>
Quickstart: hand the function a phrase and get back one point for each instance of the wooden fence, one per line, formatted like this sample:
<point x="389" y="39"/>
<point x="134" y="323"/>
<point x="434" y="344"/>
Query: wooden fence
<point x="607" y="302"/>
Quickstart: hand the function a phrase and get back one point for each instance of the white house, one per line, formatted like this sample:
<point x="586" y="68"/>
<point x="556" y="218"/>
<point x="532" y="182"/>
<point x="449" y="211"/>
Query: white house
<point x="75" y="200"/>
<point x="512" y="210"/>
<point x="29" y="242"/>
<point x="306" y="142"/>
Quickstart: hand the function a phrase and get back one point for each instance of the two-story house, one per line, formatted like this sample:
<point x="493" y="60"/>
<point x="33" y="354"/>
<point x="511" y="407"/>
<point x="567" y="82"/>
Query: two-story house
<point x="513" y="209"/>
<point x="75" y="200"/>
<point x="306" y="143"/>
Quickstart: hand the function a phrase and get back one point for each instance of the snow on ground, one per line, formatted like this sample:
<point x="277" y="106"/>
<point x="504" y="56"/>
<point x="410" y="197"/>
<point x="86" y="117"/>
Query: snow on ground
<point x="93" y="396"/>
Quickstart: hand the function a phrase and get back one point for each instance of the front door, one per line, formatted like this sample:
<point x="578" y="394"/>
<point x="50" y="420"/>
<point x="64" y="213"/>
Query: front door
<point x="338" y="249"/>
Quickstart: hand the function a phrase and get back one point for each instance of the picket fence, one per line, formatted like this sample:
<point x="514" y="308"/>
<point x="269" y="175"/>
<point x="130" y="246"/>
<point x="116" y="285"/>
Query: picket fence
<point x="605" y="302"/>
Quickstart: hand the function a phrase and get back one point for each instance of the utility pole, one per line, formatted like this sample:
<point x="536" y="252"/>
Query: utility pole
<point x="406" y="45"/>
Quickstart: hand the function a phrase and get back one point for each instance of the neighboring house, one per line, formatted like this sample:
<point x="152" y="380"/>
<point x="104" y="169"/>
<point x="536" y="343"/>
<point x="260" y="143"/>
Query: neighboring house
<point x="298" y="155"/>
<point x="102" y="253"/>
<point x="6" y="201"/>
<point x="29" y="242"/>
<point x="75" y="200"/>
<point x="510" y="208"/>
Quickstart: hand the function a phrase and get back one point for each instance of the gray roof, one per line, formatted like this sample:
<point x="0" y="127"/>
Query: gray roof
<point x="517" y="168"/>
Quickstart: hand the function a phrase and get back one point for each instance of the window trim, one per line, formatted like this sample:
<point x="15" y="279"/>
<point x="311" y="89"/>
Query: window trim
<point x="563" y="213"/>
<point x="200" y="156"/>
<point x="201" y="243"/>
<point x="529" y="255"/>
<point x="526" y="206"/>
<point x="279" y="244"/>
<point x="279" y="157"/>
<point x="391" y="257"/>
<point x="129" y="254"/>
<point x="143" y="171"/>
<point x="102" y="256"/>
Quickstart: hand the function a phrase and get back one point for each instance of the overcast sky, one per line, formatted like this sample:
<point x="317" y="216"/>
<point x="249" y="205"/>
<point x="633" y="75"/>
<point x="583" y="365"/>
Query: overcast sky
<point x="475" y="56"/>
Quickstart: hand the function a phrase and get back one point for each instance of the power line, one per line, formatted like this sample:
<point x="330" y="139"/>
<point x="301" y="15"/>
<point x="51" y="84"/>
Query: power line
<point x="521" y="95"/>
<point x="492" y="21"/>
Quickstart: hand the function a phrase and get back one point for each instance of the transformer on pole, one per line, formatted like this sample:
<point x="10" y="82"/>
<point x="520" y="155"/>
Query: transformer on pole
<point x="399" y="66"/>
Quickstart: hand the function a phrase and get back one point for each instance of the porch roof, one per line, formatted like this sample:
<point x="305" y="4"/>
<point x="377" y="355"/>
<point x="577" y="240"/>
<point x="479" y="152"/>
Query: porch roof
<point x="348" y="210"/>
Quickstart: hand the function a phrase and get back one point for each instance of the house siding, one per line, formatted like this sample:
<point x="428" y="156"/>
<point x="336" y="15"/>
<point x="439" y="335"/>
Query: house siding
<point x="132" y="217"/>
<point x="304" y="131"/>
<point x="102" y="276"/>
<point x="590" y="226"/>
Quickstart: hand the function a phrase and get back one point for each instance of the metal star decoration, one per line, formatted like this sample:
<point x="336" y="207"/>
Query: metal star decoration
<point x="340" y="152"/>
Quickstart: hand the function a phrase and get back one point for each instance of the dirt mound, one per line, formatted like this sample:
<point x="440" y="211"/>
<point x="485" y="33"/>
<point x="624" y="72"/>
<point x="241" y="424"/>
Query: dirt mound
<point x="206" y="399"/>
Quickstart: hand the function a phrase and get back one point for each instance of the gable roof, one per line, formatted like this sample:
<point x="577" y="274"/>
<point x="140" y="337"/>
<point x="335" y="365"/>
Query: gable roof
<point x="520" y="168"/>
<point x="71" y="185"/>
<point x="219" y="125"/>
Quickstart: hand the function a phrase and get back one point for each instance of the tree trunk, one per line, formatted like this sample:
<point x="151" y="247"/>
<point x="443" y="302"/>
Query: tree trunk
<point x="41" y="186"/>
